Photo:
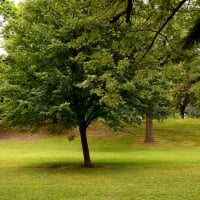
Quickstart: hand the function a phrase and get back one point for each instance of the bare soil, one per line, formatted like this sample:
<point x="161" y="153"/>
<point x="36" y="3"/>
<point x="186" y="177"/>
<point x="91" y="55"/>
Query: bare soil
<point x="15" y="135"/>
<point x="42" y="131"/>
<point x="22" y="133"/>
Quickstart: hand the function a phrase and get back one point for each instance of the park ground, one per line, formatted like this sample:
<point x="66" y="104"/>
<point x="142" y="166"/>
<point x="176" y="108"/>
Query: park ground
<point x="43" y="166"/>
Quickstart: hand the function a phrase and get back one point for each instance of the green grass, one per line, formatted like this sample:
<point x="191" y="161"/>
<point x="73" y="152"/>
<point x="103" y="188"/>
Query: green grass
<point x="126" y="169"/>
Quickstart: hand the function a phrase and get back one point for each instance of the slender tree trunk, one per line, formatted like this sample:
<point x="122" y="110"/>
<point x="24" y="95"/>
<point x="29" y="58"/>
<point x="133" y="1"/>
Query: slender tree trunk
<point x="86" y="153"/>
<point x="149" y="133"/>
<point x="182" y="111"/>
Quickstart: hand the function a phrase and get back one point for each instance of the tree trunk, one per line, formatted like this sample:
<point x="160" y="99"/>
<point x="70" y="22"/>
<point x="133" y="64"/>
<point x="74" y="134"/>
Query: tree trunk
<point x="182" y="111"/>
<point x="149" y="134"/>
<point x="86" y="153"/>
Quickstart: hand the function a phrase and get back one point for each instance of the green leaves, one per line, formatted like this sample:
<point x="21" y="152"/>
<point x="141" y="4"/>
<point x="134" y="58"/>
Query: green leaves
<point x="66" y="61"/>
<point x="62" y="63"/>
<point x="7" y="8"/>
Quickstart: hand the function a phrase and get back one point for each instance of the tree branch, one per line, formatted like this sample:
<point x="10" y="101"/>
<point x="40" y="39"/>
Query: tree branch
<point x="162" y="27"/>
<point x="127" y="12"/>
<point x="116" y="17"/>
<point x="91" y="117"/>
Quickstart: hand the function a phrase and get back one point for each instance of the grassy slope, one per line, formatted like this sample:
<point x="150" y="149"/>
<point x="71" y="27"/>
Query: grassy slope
<point x="126" y="168"/>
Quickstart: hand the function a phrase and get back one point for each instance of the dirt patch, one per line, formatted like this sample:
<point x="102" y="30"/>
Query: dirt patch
<point x="21" y="134"/>
<point x="49" y="131"/>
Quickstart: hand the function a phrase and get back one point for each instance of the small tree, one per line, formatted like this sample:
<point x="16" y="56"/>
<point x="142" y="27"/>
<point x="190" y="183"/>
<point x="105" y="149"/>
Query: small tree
<point x="152" y="94"/>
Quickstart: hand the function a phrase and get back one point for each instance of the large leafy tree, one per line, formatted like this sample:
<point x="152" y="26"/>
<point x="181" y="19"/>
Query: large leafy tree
<point x="63" y="64"/>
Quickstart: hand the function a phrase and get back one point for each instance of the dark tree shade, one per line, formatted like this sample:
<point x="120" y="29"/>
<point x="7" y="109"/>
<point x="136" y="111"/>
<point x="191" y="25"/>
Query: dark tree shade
<point x="193" y="36"/>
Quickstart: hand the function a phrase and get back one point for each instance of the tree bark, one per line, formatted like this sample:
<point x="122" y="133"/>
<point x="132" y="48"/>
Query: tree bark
<point x="149" y="133"/>
<point x="86" y="153"/>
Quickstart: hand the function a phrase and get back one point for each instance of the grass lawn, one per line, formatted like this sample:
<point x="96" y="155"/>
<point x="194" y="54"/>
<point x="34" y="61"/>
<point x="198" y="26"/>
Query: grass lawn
<point x="126" y="169"/>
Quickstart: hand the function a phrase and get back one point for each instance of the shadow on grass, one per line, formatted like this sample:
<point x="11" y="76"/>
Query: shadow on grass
<point x="59" y="166"/>
<point x="103" y="165"/>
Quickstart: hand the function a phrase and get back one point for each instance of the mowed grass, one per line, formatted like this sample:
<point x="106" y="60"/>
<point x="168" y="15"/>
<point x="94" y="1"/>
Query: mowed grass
<point x="125" y="167"/>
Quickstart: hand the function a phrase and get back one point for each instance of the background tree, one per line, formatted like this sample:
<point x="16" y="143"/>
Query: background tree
<point x="152" y="89"/>
<point x="183" y="65"/>
<point x="186" y="79"/>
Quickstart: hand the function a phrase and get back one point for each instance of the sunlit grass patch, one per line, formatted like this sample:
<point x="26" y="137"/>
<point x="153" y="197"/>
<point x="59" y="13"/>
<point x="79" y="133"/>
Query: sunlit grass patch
<point x="125" y="167"/>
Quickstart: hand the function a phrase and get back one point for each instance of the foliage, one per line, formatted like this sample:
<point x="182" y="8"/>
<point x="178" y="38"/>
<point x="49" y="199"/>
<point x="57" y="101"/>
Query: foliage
<point x="59" y="66"/>
<point x="152" y="86"/>
<point x="87" y="42"/>
<point x="183" y="93"/>
<point x="181" y="67"/>
<point x="7" y="8"/>
<point x="192" y="111"/>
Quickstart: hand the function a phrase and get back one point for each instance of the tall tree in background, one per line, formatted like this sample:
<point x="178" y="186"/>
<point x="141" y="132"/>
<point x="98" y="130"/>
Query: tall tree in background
<point x="183" y="67"/>
<point x="152" y="90"/>
<point x="186" y="78"/>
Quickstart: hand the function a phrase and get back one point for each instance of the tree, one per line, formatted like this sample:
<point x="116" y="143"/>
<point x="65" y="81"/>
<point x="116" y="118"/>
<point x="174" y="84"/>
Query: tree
<point x="151" y="87"/>
<point x="183" y="66"/>
<point x="185" y="80"/>
<point x="63" y="65"/>
<point x="176" y="61"/>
